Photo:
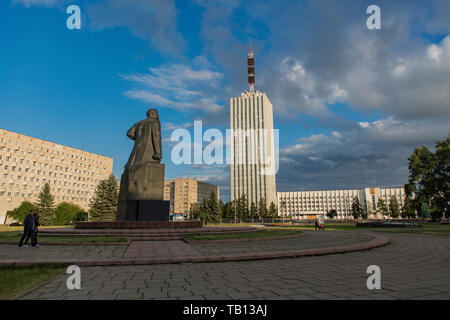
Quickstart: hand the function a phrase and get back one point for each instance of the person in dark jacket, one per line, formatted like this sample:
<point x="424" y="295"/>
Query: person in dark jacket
<point x="35" y="233"/>
<point x="29" y="227"/>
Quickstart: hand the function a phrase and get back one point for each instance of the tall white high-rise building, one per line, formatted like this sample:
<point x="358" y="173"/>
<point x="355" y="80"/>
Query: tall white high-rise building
<point x="253" y="165"/>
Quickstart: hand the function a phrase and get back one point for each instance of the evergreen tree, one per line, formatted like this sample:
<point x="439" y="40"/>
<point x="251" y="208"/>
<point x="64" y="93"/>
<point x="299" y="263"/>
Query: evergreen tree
<point x="253" y="211"/>
<point x="357" y="210"/>
<point x="273" y="212"/>
<point x="381" y="207"/>
<point x="262" y="209"/>
<point x="408" y="209"/>
<point x="45" y="206"/>
<point x="103" y="205"/>
<point x="394" y="209"/>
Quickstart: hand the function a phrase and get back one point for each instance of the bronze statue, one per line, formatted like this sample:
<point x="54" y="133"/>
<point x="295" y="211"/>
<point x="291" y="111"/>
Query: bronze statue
<point x="147" y="137"/>
<point x="142" y="183"/>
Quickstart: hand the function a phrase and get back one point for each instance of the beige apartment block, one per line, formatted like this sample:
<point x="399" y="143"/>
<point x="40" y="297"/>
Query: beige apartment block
<point x="253" y="166"/>
<point x="182" y="193"/>
<point x="309" y="204"/>
<point x="27" y="163"/>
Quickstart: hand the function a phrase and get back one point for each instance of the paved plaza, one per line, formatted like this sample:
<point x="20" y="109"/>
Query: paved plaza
<point x="412" y="267"/>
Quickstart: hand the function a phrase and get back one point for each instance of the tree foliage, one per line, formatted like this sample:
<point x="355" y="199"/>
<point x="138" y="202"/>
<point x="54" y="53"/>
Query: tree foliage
<point x="208" y="211"/>
<point x="67" y="213"/>
<point x="331" y="214"/>
<point x="273" y="212"/>
<point x="429" y="178"/>
<point x="103" y="205"/>
<point x="22" y="211"/>
<point x="45" y="205"/>
<point x="357" y="210"/>
<point x="382" y="207"/>
<point x="394" y="208"/>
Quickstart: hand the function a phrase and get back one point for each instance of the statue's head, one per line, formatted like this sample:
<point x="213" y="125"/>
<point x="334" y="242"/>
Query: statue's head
<point x="152" y="114"/>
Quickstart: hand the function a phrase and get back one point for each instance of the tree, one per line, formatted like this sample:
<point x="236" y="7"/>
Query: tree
<point x="408" y="209"/>
<point x="253" y="211"/>
<point x="356" y="208"/>
<point x="429" y="178"/>
<point x="394" y="209"/>
<point x="331" y="214"/>
<point x="283" y="208"/>
<point x="22" y="211"/>
<point x="207" y="211"/>
<point x="45" y="206"/>
<point x="273" y="212"/>
<point x="381" y="207"/>
<point x="221" y="210"/>
<point x="67" y="213"/>
<point x="262" y="209"/>
<point x="103" y="205"/>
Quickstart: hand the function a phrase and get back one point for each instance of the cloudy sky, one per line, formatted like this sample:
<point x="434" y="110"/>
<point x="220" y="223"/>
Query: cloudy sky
<point x="350" y="103"/>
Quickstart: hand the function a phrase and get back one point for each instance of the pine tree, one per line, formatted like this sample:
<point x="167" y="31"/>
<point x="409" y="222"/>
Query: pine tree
<point x="103" y="205"/>
<point x="253" y="211"/>
<point x="394" y="209"/>
<point x="381" y="207"/>
<point x="273" y="212"/>
<point x="356" y="208"/>
<point x="45" y="206"/>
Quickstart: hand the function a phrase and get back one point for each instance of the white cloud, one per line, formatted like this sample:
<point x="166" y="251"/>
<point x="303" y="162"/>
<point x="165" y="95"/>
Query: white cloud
<point x="177" y="86"/>
<point x="29" y="3"/>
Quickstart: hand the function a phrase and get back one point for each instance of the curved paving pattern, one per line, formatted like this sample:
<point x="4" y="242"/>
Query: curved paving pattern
<point x="155" y="252"/>
<point x="309" y="240"/>
<point x="412" y="267"/>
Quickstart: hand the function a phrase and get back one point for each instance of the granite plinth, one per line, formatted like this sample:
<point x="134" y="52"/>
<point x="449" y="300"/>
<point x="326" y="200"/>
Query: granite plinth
<point x="144" y="210"/>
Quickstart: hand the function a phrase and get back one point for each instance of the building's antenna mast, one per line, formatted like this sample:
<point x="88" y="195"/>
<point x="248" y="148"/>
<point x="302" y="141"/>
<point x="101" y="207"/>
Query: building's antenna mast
<point x="251" y="69"/>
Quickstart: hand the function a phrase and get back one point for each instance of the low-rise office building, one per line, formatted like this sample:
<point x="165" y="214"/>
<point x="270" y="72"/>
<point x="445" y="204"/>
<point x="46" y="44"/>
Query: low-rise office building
<point x="182" y="193"/>
<point x="309" y="204"/>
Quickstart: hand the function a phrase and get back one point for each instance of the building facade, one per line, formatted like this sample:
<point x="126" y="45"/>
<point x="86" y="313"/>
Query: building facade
<point x="309" y="204"/>
<point x="182" y="193"/>
<point x="252" y="155"/>
<point x="27" y="163"/>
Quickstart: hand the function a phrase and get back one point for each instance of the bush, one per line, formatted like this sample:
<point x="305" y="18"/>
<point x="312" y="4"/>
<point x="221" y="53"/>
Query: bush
<point x="67" y="213"/>
<point x="22" y="211"/>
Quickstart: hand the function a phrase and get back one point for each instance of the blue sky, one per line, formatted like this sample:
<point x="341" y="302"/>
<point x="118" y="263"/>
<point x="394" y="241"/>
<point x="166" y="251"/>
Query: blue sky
<point x="350" y="103"/>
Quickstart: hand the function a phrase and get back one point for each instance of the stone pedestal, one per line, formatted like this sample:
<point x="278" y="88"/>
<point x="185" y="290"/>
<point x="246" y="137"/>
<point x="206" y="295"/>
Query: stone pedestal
<point x="141" y="194"/>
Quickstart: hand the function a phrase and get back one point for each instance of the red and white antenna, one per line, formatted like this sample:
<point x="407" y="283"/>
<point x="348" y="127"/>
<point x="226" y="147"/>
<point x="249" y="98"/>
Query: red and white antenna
<point x="251" y="69"/>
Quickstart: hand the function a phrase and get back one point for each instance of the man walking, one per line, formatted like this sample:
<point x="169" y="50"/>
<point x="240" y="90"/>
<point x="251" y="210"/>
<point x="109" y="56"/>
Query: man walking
<point x="29" y="227"/>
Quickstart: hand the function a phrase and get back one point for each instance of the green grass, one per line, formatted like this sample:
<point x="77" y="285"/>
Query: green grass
<point x="20" y="228"/>
<point x="14" y="237"/>
<point x="428" y="228"/>
<point x="14" y="280"/>
<point x="245" y="235"/>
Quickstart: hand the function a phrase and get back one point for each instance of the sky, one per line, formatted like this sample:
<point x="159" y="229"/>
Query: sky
<point x="350" y="103"/>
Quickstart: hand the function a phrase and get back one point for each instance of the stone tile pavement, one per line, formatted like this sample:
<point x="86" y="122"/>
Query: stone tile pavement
<point x="157" y="249"/>
<point x="412" y="267"/>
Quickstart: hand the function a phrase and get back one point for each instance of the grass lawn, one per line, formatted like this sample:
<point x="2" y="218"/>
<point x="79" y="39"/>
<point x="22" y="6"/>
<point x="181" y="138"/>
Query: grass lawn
<point x="9" y="229"/>
<point x="245" y="235"/>
<point x="14" y="280"/>
<point x="428" y="228"/>
<point x="14" y="237"/>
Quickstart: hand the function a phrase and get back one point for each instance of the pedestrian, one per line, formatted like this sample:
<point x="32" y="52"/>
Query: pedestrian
<point x="29" y="226"/>
<point x="316" y="224"/>
<point x="35" y="233"/>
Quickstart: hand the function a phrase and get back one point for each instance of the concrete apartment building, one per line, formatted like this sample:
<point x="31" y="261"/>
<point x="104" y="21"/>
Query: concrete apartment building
<point x="252" y="144"/>
<point x="309" y="204"/>
<point x="182" y="193"/>
<point x="27" y="163"/>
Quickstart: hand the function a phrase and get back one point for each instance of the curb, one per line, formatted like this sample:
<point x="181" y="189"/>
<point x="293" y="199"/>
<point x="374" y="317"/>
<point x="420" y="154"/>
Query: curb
<point x="380" y="240"/>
